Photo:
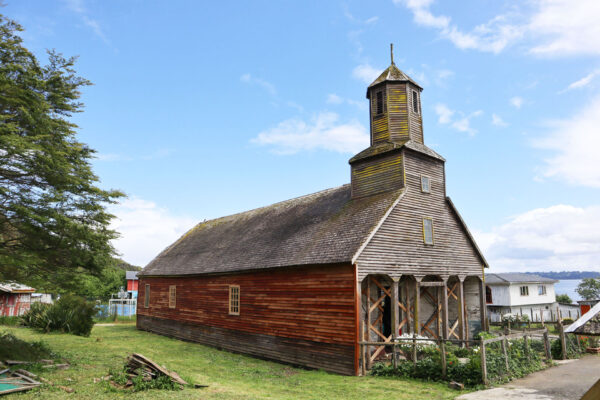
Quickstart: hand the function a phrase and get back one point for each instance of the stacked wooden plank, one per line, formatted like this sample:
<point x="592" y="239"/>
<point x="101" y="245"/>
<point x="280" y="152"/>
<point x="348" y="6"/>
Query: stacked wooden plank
<point x="138" y="364"/>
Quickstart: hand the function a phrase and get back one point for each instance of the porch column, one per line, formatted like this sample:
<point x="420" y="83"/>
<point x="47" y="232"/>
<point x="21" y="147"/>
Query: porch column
<point x="482" y="305"/>
<point x="417" y="323"/>
<point x="409" y="322"/>
<point x="395" y="308"/>
<point x="361" y="334"/>
<point x="461" y="307"/>
<point x="445" y="308"/>
<point x="368" y="322"/>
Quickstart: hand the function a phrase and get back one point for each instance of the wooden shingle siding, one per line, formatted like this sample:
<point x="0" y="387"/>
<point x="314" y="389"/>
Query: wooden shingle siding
<point x="398" y="113"/>
<point x="315" y="304"/>
<point x="398" y="248"/>
<point x="338" y="358"/>
<point x="415" y="120"/>
<point x="377" y="175"/>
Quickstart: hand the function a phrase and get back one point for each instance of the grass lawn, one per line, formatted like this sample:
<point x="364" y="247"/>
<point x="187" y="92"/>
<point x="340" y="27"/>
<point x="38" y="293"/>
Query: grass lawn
<point x="229" y="376"/>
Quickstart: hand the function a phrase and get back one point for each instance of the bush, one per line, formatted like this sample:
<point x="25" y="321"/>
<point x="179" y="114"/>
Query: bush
<point x="13" y="348"/>
<point x="572" y="349"/>
<point x="70" y="314"/>
<point x="9" y="321"/>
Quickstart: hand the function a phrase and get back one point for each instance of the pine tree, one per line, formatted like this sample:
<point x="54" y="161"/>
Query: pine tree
<point x="53" y="218"/>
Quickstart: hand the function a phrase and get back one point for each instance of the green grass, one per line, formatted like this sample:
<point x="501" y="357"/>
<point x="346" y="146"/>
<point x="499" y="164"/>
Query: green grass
<point x="229" y="376"/>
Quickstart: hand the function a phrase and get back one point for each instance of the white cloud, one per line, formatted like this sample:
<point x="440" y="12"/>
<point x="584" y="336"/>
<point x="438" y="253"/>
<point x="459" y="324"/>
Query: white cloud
<point x="334" y="99"/>
<point x="583" y="82"/>
<point x="268" y="86"/>
<point x="566" y="27"/>
<point x="516" y="101"/>
<point x="146" y="229"/>
<point x="498" y="121"/>
<point x="444" y="113"/>
<point x="79" y="8"/>
<point x="558" y="237"/>
<point x="462" y="124"/>
<point x="551" y="27"/>
<point x="574" y="142"/>
<point x="324" y="131"/>
<point x="366" y="73"/>
<point x="492" y="36"/>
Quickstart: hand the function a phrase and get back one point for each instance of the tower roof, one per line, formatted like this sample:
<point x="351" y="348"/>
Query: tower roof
<point x="393" y="73"/>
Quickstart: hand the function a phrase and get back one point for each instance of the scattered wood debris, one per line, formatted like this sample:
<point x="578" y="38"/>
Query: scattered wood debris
<point x="13" y="381"/>
<point x="137" y="363"/>
<point x="456" y="385"/>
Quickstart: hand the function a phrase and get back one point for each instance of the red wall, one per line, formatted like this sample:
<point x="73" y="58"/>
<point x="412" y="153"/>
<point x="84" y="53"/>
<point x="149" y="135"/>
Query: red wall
<point x="132" y="285"/>
<point x="312" y="303"/>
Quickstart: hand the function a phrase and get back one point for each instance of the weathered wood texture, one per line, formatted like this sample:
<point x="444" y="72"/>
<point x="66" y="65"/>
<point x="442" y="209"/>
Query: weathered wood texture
<point x="399" y="121"/>
<point x="304" y="304"/>
<point x="377" y="175"/>
<point x="333" y="357"/>
<point x="398" y="248"/>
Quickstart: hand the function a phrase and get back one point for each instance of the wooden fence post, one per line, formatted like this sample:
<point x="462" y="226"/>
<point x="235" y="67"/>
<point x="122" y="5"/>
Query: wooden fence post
<point x="563" y="341"/>
<point x="504" y="343"/>
<point x="483" y="362"/>
<point x="527" y="348"/>
<point x="443" y="350"/>
<point x="414" y="349"/>
<point x="547" y="345"/>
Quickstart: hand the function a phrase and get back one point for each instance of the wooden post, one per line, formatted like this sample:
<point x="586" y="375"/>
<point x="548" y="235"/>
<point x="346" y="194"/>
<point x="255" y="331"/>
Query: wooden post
<point x="414" y="350"/>
<point x="547" y="345"/>
<point x="439" y="311"/>
<point x="542" y="317"/>
<point x="504" y="345"/>
<point x="482" y="303"/>
<point x="445" y="309"/>
<point x="368" y="322"/>
<point x="483" y="362"/>
<point x="417" y="306"/>
<point x="563" y="341"/>
<point x="443" y="350"/>
<point x="362" y="332"/>
<point x="408" y="317"/>
<point x="531" y="309"/>
<point x="395" y="319"/>
<point x="461" y="308"/>
<point x="527" y="348"/>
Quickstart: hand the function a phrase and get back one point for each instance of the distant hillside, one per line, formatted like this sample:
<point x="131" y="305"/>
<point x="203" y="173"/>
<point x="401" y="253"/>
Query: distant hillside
<point x="567" y="274"/>
<point x="125" y="266"/>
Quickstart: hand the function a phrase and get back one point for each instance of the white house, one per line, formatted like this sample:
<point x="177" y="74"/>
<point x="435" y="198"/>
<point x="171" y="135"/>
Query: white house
<point x="523" y="294"/>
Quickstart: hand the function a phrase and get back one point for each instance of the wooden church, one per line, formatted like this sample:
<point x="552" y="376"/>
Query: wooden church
<point x="304" y="281"/>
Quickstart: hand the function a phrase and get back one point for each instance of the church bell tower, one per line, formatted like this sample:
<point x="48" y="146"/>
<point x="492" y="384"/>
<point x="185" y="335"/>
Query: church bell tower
<point x="395" y="123"/>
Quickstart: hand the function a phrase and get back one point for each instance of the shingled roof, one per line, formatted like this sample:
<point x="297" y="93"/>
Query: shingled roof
<point x="393" y="73"/>
<point x="322" y="228"/>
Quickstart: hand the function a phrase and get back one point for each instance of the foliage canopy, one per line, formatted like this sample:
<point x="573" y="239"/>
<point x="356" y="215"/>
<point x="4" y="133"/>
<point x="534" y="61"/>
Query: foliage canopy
<point x="589" y="288"/>
<point x="53" y="218"/>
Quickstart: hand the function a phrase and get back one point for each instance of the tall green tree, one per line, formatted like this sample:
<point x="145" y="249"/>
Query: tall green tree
<point x="589" y="288"/>
<point x="53" y="218"/>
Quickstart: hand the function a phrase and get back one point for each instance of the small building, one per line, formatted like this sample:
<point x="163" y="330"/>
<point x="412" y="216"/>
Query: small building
<point x="588" y="324"/>
<point x="304" y="281"/>
<point x="524" y="294"/>
<point x="132" y="283"/>
<point x="586" y="305"/>
<point x="15" y="299"/>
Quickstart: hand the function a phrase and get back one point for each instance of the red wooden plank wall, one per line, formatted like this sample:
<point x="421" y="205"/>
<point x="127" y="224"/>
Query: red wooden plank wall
<point x="312" y="303"/>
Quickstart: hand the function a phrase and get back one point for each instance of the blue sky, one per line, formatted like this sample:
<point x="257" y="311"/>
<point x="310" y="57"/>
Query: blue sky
<point x="203" y="109"/>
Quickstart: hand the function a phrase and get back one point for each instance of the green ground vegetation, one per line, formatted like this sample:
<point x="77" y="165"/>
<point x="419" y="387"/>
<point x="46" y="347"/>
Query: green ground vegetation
<point x="229" y="376"/>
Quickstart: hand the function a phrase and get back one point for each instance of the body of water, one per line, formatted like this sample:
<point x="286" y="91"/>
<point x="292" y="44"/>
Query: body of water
<point x="568" y="286"/>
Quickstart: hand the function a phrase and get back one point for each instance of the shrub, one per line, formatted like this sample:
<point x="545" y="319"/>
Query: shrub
<point x="9" y="321"/>
<point x="13" y="348"/>
<point x="70" y="314"/>
<point x="572" y="349"/>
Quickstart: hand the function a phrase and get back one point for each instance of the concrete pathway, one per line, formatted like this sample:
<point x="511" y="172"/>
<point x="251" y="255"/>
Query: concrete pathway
<point x="567" y="381"/>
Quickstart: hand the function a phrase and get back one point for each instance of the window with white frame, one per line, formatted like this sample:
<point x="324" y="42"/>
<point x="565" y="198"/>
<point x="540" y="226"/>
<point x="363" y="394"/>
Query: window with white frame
<point x="524" y="290"/>
<point x="234" y="300"/>
<point x="427" y="230"/>
<point x="541" y="290"/>
<point x="147" y="296"/>
<point x="425" y="184"/>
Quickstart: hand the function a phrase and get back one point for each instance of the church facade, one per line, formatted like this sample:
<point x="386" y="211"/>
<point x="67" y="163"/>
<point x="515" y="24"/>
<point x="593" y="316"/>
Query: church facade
<point x="306" y="280"/>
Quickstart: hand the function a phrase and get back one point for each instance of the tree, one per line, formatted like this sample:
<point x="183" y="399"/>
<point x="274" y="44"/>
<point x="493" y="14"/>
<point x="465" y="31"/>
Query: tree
<point x="563" y="298"/>
<point x="589" y="288"/>
<point x="53" y="218"/>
